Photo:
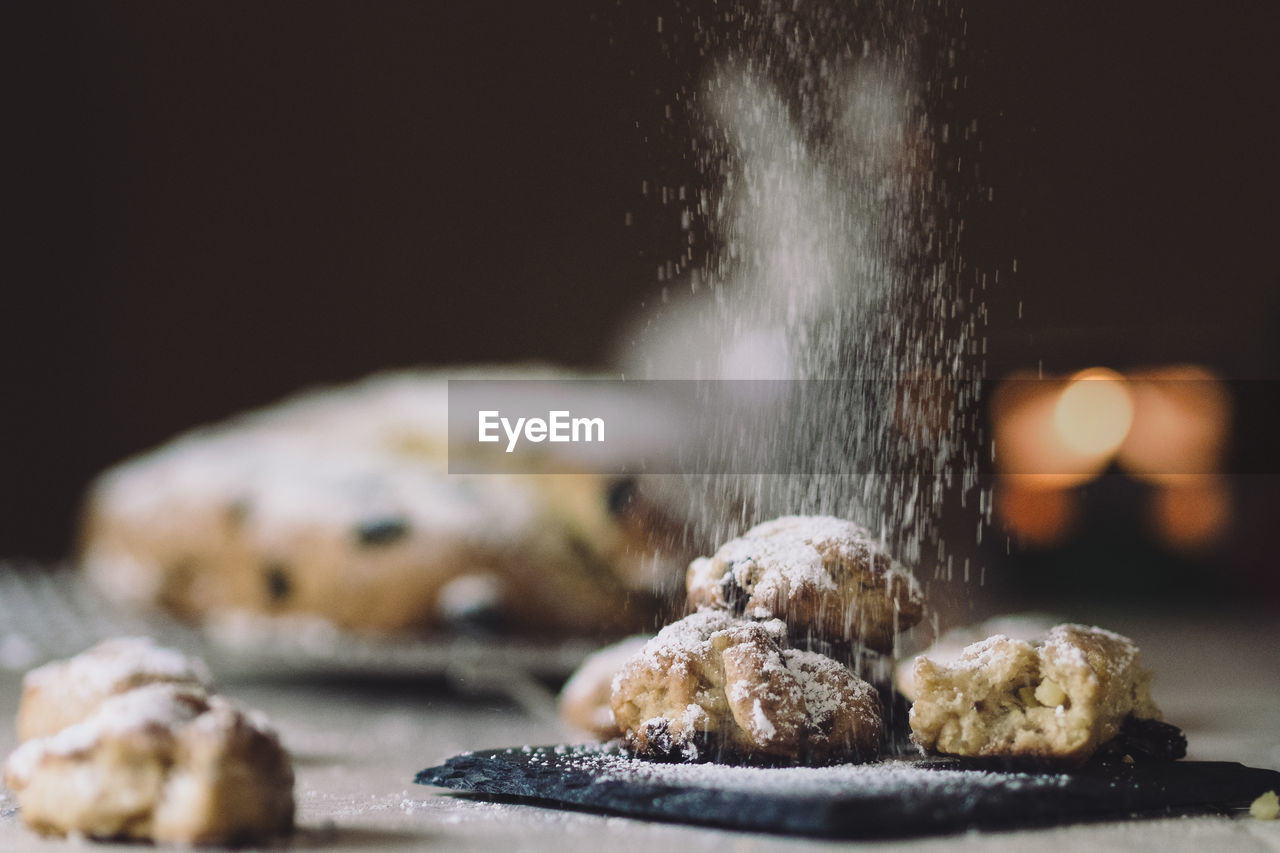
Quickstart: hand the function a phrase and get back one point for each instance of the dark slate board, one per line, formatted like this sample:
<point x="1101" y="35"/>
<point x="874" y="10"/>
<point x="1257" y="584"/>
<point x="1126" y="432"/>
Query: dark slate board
<point x="900" y="797"/>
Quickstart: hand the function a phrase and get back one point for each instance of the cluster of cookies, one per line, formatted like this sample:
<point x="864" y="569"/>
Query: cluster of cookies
<point x="338" y="504"/>
<point x="127" y="741"/>
<point x="739" y="679"/>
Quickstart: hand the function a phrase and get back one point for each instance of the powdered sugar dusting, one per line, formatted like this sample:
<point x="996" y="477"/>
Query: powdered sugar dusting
<point x="692" y="634"/>
<point x="886" y="777"/>
<point x="830" y="205"/>
<point x="793" y="555"/>
<point x="981" y="655"/>
<point x="827" y="686"/>
<point x="117" y="664"/>
<point x="764" y="728"/>
<point x="1062" y="642"/>
<point x="788" y="545"/>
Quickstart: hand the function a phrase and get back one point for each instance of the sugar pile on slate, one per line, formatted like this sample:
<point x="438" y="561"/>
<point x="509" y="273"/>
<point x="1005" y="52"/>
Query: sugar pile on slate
<point x="885" y="777"/>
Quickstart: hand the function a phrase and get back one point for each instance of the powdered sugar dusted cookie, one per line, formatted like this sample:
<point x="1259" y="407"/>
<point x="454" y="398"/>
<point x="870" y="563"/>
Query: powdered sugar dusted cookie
<point x="1058" y="699"/>
<point x="584" y="699"/>
<point x="825" y="577"/>
<point x="716" y="687"/>
<point x="163" y="761"/>
<point x="65" y="692"/>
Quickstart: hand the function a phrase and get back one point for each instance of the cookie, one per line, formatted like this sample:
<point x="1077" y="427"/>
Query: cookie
<point x="713" y="686"/>
<point x="824" y="577"/>
<point x="65" y="692"/>
<point x="165" y="762"/>
<point x="339" y="504"/>
<point x="584" y="699"/>
<point x="1058" y="699"/>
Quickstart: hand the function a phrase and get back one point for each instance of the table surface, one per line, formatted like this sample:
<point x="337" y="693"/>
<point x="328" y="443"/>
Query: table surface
<point x="358" y="742"/>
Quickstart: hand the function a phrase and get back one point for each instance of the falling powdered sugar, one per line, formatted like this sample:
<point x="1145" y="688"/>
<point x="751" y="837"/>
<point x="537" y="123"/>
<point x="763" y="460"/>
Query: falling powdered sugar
<point x="820" y="246"/>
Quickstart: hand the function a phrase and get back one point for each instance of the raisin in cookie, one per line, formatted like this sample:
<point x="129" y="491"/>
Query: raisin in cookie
<point x="338" y="504"/>
<point x="65" y="692"/>
<point x="716" y="687"/>
<point x="165" y="762"/>
<point x="824" y="577"/>
<point x="1057" y="699"/>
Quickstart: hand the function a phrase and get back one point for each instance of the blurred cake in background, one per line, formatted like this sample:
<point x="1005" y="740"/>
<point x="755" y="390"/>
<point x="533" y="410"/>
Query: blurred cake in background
<point x="338" y="504"/>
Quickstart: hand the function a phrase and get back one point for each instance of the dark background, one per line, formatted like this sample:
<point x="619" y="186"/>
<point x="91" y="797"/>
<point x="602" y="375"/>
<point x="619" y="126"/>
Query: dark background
<point x="214" y="204"/>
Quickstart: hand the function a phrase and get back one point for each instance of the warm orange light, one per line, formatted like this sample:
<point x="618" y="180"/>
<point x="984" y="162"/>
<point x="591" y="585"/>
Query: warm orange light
<point x="1029" y="443"/>
<point x="1094" y="413"/>
<point x="1168" y="426"/>
<point x="1040" y="517"/>
<point x="1181" y="425"/>
<point x="1191" y="512"/>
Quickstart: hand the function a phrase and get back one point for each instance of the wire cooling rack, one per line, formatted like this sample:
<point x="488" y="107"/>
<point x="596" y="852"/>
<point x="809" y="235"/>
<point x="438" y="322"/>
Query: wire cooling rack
<point x="51" y="612"/>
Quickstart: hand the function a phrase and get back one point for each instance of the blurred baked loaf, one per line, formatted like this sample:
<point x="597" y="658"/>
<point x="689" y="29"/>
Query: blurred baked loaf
<point x="338" y="504"/>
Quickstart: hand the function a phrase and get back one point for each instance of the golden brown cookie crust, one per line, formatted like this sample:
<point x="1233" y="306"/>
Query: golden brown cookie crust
<point x="823" y="576"/>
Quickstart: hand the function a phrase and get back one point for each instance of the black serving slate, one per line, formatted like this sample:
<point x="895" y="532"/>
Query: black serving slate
<point x="892" y="798"/>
